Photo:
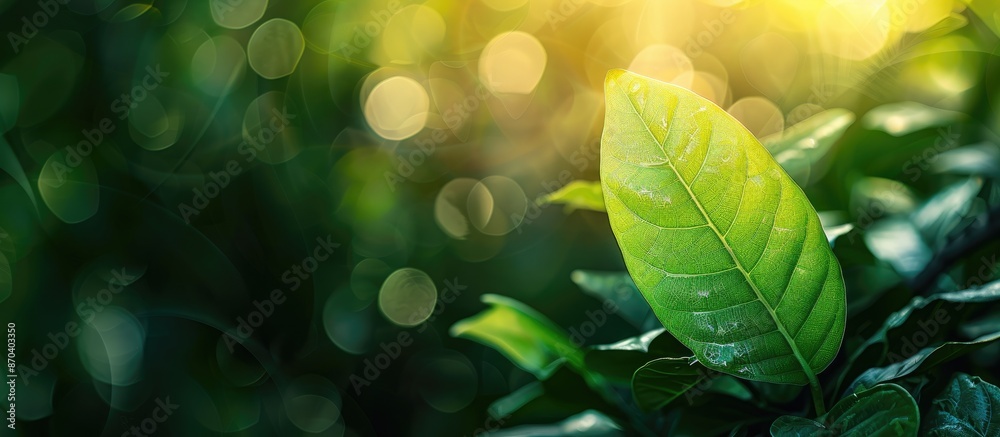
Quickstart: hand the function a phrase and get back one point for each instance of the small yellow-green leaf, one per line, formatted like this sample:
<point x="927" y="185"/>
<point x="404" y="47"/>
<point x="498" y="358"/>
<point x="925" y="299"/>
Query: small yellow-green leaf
<point x="578" y="195"/>
<point x="529" y="339"/>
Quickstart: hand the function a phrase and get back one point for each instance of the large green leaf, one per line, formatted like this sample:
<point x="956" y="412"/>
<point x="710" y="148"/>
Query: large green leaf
<point x="922" y="361"/>
<point x="799" y="148"/>
<point x="722" y="243"/>
<point x="662" y="380"/>
<point x="885" y="410"/>
<point x="528" y="338"/>
<point x="969" y="406"/>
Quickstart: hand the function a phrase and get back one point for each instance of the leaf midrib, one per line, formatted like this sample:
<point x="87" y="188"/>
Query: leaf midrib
<point x="806" y="368"/>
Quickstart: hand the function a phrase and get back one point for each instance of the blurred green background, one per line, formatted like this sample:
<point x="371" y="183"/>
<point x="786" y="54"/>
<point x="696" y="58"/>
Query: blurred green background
<point x="240" y="205"/>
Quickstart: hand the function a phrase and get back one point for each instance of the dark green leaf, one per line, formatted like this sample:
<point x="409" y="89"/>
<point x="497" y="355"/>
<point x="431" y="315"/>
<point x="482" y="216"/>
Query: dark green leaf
<point x="618" y="361"/>
<point x="662" y="380"/>
<point x="927" y="316"/>
<point x="968" y="407"/>
<point x="922" y="361"/>
<point x="885" y="410"/>
<point x="619" y="288"/>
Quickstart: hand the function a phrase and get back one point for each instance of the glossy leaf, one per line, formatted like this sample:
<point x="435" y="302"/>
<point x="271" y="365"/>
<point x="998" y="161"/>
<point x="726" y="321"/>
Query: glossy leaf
<point x="618" y="361"/>
<point x="940" y="214"/>
<point x="898" y="119"/>
<point x="898" y="242"/>
<point x="920" y="315"/>
<point x="529" y="339"/>
<point x="800" y="147"/>
<point x="620" y="289"/>
<point x="725" y="247"/>
<point x="589" y="423"/>
<point x="578" y="195"/>
<point x="976" y="160"/>
<point x="922" y="361"/>
<point x="969" y="406"/>
<point x="885" y="410"/>
<point x="662" y="380"/>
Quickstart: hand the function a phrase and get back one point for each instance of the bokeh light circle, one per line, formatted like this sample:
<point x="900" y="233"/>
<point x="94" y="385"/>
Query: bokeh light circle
<point x="396" y="108"/>
<point x="275" y="48"/>
<point x="407" y="297"/>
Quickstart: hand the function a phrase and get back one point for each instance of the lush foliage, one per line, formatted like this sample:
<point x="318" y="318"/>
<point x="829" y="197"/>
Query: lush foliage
<point x="731" y="257"/>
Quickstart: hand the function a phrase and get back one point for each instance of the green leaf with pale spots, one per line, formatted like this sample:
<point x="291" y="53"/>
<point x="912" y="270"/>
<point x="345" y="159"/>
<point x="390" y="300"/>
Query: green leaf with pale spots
<point x="969" y="406"/>
<point x="885" y="410"/>
<point x="578" y="195"/>
<point x="724" y="246"/>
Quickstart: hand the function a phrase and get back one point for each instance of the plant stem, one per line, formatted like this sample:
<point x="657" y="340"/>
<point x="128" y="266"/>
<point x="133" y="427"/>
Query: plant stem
<point x="817" y="393"/>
